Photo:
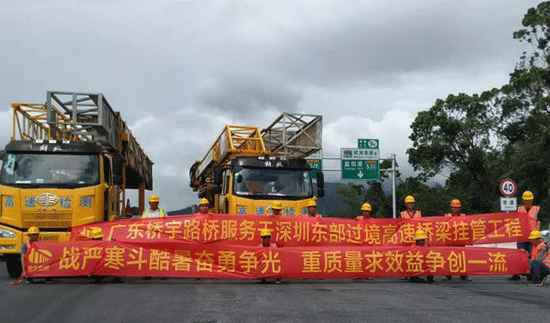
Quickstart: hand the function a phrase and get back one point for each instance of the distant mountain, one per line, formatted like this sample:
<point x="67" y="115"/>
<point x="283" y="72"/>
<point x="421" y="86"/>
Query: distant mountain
<point x="187" y="210"/>
<point x="331" y="200"/>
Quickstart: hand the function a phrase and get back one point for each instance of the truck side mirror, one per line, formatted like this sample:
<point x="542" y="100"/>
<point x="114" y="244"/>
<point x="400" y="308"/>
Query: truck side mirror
<point x="118" y="179"/>
<point x="320" y="184"/>
<point x="218" y="180"/>
<point x="239" y="178"/>
<point x="118" y="165"/>
<point x="320" y="180"/>
<point x="118" y="169"/>
<point x="218" y="176"/>
<point x="320" y="192"/>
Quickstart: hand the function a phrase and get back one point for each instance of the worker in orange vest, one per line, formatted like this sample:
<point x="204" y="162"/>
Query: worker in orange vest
<point x="539" y="265"/>
<point x="410" y="212"/>
<point x="276" y="208"/>
<point x="34" y="235"/>
<point x="128" y="210"/>
<point x="455" y="211"/>
<point x="420" y="238"/>
<point x="265" y="234"/>
<point x="204" y="206"/>
<point x="366" y="211"/>
<point x="534" y="222"/>
<point x="455" y="208"/>
<point x="312" y="210"/>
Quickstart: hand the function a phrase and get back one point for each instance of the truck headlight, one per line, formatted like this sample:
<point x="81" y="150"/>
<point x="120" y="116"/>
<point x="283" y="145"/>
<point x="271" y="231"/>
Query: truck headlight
<point x="4" y="233"/>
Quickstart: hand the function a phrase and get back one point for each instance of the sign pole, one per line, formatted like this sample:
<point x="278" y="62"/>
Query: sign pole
<point x="393" y="188"/>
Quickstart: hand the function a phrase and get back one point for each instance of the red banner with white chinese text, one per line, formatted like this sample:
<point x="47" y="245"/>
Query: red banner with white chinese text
<point x="305" y="231"/>
<point x="181" y="259"/>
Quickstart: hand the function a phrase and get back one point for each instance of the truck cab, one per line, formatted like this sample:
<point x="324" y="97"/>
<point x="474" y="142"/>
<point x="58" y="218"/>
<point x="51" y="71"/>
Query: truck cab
<point x="250" y="184"/>
<point x="52" y="185"/>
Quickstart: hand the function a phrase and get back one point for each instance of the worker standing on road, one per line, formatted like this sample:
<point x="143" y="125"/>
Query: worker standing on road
<point x="366" y="211"/>
<point x="128" y="210"/>
<point x="410" y="212"/>
<point x="265" y="234"/>
<point x="540" y="259"/>
<point x="420" y="238"/>
<point x="204" y="206"/>
<point x="534" y="222"/>
<point x="34" y="236"/>
<point x="154" y="210"/>
<point x="455" y="208"/>
<point x="312" y="210"/>
<point x="455" y="211"/>
<point x="277" y="208"/>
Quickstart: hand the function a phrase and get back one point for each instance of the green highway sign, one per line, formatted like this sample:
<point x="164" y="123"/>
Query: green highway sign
<point x="315" y="161"/>
<point x="363" y="162"/>
<point x="368" y="143"/>
<point x="316" y="166"/>
<point x="361" y="169"/>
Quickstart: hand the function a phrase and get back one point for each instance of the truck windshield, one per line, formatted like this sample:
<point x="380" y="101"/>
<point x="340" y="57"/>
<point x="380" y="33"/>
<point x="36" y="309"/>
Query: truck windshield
<point x="50" y="169"/>
<point x="273" y="182"/>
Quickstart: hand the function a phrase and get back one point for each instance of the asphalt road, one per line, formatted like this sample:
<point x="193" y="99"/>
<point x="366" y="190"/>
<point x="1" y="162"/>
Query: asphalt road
<point x="486" y="299"/>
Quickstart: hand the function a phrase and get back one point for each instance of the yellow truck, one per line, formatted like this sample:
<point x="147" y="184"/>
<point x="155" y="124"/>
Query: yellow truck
<point x="246" y="168"/>
<point x="69" y="162"/>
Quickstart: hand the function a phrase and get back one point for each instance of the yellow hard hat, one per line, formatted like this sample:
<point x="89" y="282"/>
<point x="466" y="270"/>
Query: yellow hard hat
<point x="420" y="234"/>
<point x="96" y="233"/>
<point x="204" y="201"/>
<point x="311" y="203"/>
<point x="277" y="205"/>
<point x="366" y="207"/>
<point x="455" y="203"/>
<point x="265" y="233"/>
<point x="527" y="195"/>
<point x="535" y="234"/>
<point x="153" y="198"/>
<point x="409" y="199"/>
<point x="33" y="230"/>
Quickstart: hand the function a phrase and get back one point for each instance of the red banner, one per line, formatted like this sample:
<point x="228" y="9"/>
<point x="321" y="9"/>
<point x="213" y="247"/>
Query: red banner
<point x="305" y="231"/>
<point x="181" y="259"/>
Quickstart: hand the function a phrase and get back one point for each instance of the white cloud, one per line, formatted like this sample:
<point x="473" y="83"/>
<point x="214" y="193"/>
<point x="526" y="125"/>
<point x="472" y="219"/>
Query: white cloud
<point x="179" y="70"/>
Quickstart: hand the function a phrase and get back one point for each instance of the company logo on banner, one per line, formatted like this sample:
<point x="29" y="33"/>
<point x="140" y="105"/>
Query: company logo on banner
<point x="38" y="259"/>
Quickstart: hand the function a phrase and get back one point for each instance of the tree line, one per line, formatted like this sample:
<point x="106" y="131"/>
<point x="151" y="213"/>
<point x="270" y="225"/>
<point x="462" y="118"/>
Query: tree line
<point x="477" y="140"/>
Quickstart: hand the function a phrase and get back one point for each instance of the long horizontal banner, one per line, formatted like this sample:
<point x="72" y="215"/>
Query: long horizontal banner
<point x="180" y="259"/>
<point x="305" y="231"/>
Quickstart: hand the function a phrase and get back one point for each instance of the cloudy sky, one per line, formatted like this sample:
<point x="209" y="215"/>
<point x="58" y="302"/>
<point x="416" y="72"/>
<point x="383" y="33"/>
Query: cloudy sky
<point x="179" y="70"/>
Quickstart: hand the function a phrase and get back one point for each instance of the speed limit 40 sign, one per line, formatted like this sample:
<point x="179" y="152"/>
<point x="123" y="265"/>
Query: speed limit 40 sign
<point x="508" y="187"/>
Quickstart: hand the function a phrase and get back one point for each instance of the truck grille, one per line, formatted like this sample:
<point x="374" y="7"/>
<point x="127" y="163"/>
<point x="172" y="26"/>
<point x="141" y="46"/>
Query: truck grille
<point x="47" y="220"/>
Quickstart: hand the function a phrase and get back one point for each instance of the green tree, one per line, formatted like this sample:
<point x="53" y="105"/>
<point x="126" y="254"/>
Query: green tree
<point x="525" y="104"/>
<point x="351" y="195"/>
<point x="455" y="134"/>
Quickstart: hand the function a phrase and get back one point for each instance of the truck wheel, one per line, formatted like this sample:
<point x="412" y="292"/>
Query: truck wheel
<point x="13" y="264"/>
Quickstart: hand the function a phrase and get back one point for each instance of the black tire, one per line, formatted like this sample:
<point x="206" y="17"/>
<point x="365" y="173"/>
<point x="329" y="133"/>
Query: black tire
<point x="13" y="264"/>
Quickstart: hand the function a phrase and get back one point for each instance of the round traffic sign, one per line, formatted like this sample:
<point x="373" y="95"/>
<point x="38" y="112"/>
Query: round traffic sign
<point x="508" y="187"/>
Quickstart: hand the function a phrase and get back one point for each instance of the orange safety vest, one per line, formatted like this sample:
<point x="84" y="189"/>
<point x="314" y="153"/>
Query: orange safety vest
<point x="405" y="215"/>
<point x="363" y="218"/>
<point x="450" y="215"/>
<point x="535" y="253"/>
<point x="317" y="215"/>
<point x="533" y="212"/>
<point x="273" y="244"/>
